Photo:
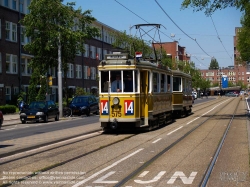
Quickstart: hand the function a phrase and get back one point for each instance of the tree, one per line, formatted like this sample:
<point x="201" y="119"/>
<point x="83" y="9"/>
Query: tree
<point x="212" y="5"/>
<point x="214" y="64"/>
<point x="49" y="21"/>
<point x="131" y="44"/>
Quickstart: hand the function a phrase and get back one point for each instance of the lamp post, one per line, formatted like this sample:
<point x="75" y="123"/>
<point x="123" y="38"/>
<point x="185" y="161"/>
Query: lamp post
<point x="219" y="70"/>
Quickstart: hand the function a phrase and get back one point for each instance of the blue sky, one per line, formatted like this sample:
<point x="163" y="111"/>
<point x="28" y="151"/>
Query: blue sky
<point x="193" y="26"/>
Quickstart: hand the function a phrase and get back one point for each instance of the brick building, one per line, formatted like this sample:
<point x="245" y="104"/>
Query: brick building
<point x="14" y="71"/>
<point x="234" y="73"/>
<point x="174" y="50"/>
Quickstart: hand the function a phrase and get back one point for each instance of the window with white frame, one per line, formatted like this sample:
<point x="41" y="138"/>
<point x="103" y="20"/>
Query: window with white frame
<point x="25" y="69"/>
<point x="22" y="35"/>
<point x="11" y="64"/>
<point x="28" y="4"/>
<point x="93" y="73"/>
<point x="70" y="73"/>
<point x="92" y="52"/>
<point x="14" y="4"/>
<point x="16" y="90"/>
<point x="86" y="47"/>
<point x="85" y="72"/>
<point x="11" y="31"/>
<point x="21" y="6"/>
<point x="99" y="52"/>
<point x="8" y="93"/>
<point x="78" y="71"/>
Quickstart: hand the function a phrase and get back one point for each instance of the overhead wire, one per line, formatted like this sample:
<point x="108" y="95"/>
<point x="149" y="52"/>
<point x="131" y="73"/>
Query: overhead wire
<point x="194" y="39"/>
<point x="220" y="38"/>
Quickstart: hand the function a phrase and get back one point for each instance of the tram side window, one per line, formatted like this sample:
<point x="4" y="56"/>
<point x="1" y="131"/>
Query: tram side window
<point x="104" y="81"/>
<point x="156" y="82"/>
<point x="169" y="83"/>
<point x="128" y="80"/>
<point x="162" y="82"/>
<point x="176" y="84"/>
<point x="184" y="86"/>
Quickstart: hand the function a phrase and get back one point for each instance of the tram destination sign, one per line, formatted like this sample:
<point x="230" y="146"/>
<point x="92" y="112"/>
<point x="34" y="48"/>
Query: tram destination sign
<point x="116" y="56"/>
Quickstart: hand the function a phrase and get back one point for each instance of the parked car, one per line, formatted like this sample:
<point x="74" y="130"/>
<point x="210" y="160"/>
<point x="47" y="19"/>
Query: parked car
<point x="231" y="94"/>
<point x="194" y="94"/>
<point x="40" y="111"/>
<point x="84" y="104"/>
<point x="1" y="119"/>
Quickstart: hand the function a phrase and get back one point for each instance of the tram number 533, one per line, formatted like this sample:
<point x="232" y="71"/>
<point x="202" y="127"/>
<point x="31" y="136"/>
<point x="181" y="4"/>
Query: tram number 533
<point x="116" y="114"/>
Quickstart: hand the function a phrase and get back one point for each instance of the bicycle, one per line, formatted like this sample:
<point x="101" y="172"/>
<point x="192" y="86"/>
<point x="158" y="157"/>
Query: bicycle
<point x="67" y="112"/>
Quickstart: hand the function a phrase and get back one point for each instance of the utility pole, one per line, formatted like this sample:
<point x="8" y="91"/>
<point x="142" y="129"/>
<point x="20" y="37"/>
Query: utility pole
<point x="59" y="77"/>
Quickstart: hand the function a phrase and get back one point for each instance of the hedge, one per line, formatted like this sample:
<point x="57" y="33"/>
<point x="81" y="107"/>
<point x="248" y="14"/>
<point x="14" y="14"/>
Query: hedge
<point x="8" y="109"/>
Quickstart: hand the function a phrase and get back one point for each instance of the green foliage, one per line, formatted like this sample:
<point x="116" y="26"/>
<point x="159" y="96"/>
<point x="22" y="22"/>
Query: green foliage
<point x="34" y="81"/>
<point x="211" y="6"/>
<point x="80" y="91"/>
<point x="41" y="96"/>
<point x="8" y="109"/>
<point x="21" y="97"/>
<point x="214" y="64"/>
<point x="49" y="24"/>
<point x="131" y="44"/>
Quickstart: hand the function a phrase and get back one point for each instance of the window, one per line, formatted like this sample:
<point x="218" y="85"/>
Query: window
<point x="155" y="82"/>
<point x="28" y="4"/>
<point x="6" y="3"/>
<point x="11" y="31"/>
<point x="7" y="93"/>
<point x="85" y="72"/>
<point x="86" y="47"/>
<point x="16" y="90"/>
<point x="99" y="53"/>
<point x="21" y="6"/>
<point x="14" y="4"/>
<point x="25" y="69"/>
<point x="11" y="64"/>
<point x="78" y="71"/>
<point x="7" y="30"/>
<point x="93" y="73"/>
<point x="70" y="73"/>
<point x="177" y="84"/>
<point x="22" y="35"/>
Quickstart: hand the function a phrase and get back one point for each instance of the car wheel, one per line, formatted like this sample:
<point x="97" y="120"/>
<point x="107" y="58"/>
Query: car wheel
<point x="23" y="122"/>
<point x="88" y="112"/>
<point x="57" y="117"/>
<point x="46" y="119"/>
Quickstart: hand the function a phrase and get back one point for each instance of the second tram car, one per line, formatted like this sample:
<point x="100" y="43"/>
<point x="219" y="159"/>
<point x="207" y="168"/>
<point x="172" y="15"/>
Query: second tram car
<point x="182" y="94"/>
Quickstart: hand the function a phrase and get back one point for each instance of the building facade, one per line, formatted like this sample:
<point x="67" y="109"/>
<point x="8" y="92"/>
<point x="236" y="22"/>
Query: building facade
<point x="14" y="60"/>
<point x="235" y="73"/>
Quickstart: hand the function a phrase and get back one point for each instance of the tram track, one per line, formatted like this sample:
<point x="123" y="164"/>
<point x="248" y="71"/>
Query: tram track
<point x="209" y="169"/>
<point x="216" y="155"/>
<point x="148" y="163"/>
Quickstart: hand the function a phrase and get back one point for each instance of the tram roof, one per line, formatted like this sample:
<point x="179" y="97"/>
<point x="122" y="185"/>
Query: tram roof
<point x="123" y="59"/>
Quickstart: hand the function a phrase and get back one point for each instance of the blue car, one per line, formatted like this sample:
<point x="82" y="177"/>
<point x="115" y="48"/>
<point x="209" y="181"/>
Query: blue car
<point x="84" y="104"/>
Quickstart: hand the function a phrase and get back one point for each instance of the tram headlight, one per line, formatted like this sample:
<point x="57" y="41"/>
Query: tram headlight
<point x="116" y="101"/>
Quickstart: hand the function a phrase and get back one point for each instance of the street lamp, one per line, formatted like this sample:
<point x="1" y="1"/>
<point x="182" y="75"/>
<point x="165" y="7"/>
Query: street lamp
<point x="219" y="70"/>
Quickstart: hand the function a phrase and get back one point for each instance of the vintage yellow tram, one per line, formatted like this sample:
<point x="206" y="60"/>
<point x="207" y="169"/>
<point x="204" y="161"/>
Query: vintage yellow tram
<point x="182" y="94"/>
<point x="134" y="93"/>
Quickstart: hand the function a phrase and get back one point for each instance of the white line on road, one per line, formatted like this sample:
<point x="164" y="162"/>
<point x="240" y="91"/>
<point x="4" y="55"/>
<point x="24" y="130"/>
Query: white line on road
<point x="107" y="168"/>
<point x="156" y="140"/>
<point x="175" y="130"/>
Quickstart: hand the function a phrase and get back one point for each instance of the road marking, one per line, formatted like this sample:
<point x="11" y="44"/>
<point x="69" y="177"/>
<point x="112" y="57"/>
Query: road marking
<point x="156" y="178"/>
<point x="175" y="130"/>
<point x="107" y="168"/>
<point x="206" y="112"/>
<point x="156" y="140"/>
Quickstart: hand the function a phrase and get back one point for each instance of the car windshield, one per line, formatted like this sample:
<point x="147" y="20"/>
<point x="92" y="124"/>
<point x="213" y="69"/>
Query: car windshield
<point x="80" y="100"/>
<point x="37" y="105"/>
